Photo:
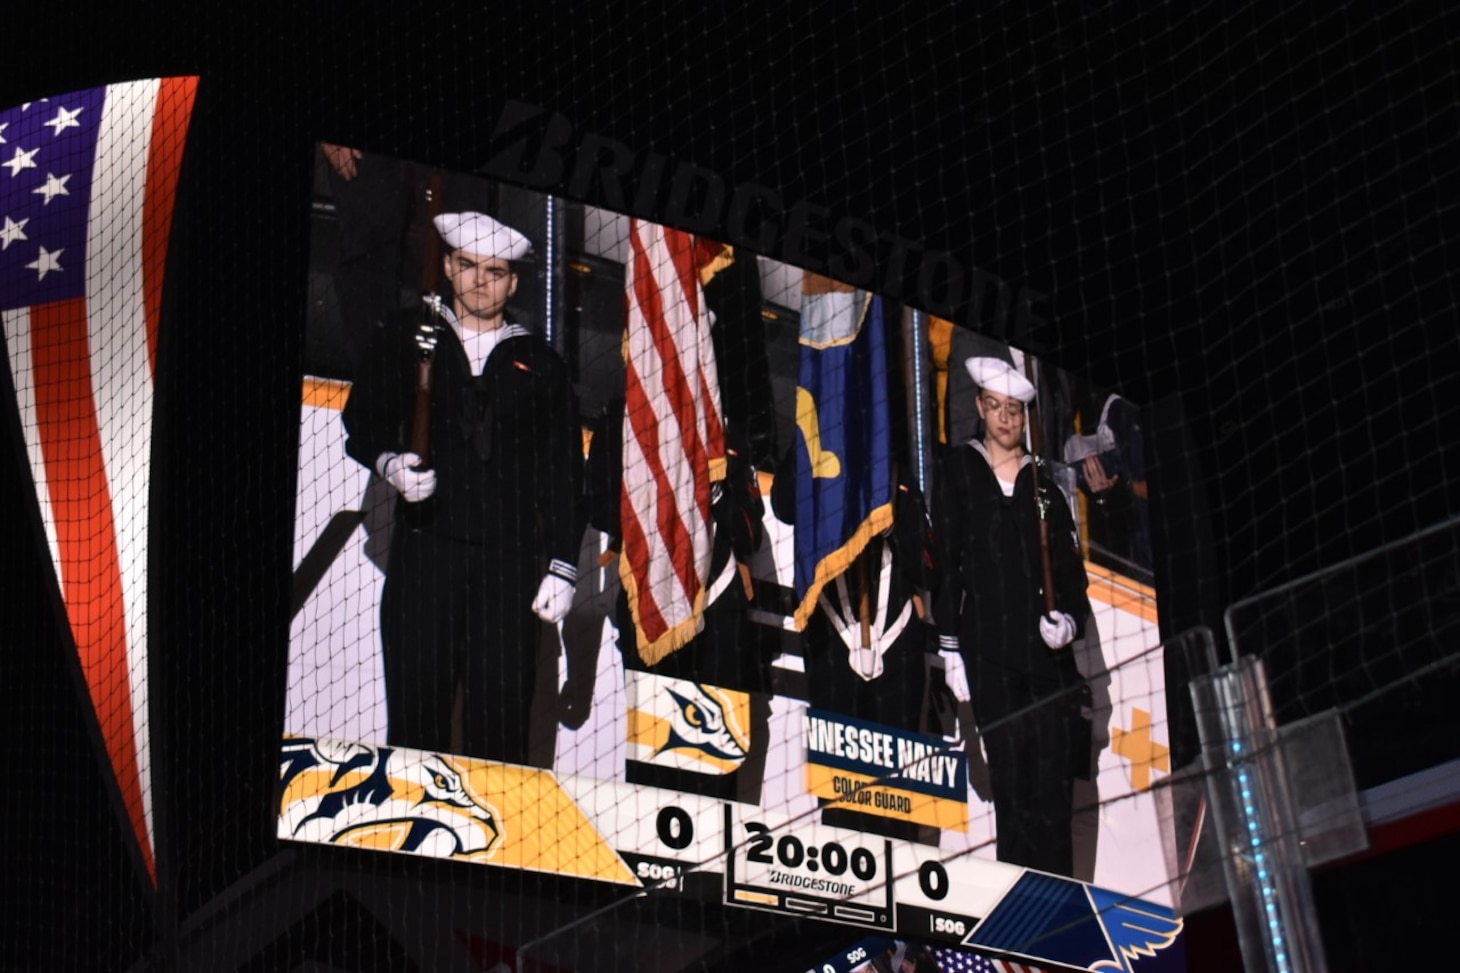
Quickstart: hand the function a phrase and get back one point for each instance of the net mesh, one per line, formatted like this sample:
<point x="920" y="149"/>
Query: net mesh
<point x="657" y="658"/>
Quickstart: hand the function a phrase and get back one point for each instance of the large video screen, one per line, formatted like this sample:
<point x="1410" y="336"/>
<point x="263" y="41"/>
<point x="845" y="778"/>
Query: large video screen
<point x="624" y="554"/>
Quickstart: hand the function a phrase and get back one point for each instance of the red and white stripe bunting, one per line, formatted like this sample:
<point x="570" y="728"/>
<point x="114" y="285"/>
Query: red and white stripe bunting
<point x="674" y="443"/>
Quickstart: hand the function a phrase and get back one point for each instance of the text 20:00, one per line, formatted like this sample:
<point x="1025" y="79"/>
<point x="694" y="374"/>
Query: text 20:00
<point x="791" y="853"/>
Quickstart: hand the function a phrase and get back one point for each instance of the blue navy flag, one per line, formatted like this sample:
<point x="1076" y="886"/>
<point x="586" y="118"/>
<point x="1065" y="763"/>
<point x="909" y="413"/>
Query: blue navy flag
<point x="844" y="475"/>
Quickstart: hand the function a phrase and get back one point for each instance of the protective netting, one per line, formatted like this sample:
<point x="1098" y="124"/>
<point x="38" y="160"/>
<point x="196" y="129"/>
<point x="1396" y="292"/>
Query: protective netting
<point x="801" y="702"/>
<point x="475" y="503"/>
<point x="1373" y="639"/>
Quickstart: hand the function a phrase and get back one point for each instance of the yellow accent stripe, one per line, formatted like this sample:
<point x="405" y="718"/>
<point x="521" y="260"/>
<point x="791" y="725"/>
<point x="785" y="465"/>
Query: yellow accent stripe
<point x="385" y="836"/>
<point x="325" y="393"/>
<point x="849" y="339"/>
<point x="676" y="638"/>
<point x="939" y="812"/>
<point x="725" y="259"/>
<point x="1121" y="593"/>
<point x="745" y="895"/>
<point x="1097" y="571"/>
<point x="842" y="558"/>
<point x="940" y="337"/>
<point x="647" y="730"/>
<point x="545" y="830"/>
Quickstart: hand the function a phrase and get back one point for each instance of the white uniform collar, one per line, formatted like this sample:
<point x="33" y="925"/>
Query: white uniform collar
<point x="983" y="451"/>
<point x="479" y="345"/>
<point x="1004" y="485"/>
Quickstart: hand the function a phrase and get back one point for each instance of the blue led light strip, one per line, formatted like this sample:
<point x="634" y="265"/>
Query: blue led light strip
<point x="1266" y="887"/>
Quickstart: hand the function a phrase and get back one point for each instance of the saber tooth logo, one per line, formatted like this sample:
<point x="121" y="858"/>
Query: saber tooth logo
<point x="702" y="724"/>
<point x="386" y="799"/>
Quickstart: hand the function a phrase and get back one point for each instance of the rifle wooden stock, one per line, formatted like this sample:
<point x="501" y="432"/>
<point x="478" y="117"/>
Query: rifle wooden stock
<point x="430" y="318"/>
<point x="1047" y="563"/>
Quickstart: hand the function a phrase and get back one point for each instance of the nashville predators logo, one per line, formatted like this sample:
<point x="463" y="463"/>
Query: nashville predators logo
<point x="699" y="722"/>
<point x="383" y="798"/>
<point x="687" y="725"/>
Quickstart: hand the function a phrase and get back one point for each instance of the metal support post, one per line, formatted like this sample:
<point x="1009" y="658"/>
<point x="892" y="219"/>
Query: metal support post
<point x="1257" y="826"/>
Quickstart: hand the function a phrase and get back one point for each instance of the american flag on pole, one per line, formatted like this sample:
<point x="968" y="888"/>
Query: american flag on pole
<point x="87" y="186"/>
<point x="674" y="443"/>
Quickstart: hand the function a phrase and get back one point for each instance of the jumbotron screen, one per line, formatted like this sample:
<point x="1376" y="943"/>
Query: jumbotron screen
<point x="625" y="554"/>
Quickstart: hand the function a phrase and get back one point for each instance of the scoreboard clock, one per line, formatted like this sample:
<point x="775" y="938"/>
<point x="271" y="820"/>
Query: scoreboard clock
<point x="810" y="870"/>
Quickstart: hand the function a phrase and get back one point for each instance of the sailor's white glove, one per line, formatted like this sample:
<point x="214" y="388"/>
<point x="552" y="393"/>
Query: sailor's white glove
<point x="554" y="598"/>
<point x="398" y="470"/>
<point x="955" y="674"/>
<point x="1057" y="629"/>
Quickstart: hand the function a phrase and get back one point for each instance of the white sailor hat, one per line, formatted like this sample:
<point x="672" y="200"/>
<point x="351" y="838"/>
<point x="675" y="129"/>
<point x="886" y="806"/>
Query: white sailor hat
<point x="479" y="234"/>
<point x="997" y="375"/>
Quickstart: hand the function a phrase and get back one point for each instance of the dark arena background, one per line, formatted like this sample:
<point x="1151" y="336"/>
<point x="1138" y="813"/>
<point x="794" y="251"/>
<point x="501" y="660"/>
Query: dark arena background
<point x="1243" y="219"/>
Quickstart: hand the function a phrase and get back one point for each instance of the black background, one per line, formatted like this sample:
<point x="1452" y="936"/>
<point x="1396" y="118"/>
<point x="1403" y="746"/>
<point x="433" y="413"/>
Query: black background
<point x="1244" y="217"/>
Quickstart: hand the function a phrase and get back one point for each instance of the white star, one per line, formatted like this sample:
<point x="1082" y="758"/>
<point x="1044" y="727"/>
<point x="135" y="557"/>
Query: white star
<point x="25" y="106"/>
<point x="54" y="187"/>
<point x="21" y="160"/>
<point x="64" y="119"/>
<point x="48" y="260"/>
<point x="3" y="127"/>
<point x="11" y="232"/>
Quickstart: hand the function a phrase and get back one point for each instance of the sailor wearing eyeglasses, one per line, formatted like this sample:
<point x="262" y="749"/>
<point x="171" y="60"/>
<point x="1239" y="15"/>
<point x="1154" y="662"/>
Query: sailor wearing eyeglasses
<point x="1000" y="646"/>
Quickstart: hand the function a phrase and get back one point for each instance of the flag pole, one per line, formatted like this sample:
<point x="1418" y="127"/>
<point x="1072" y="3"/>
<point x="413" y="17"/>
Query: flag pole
<point x="1041" y="492"/>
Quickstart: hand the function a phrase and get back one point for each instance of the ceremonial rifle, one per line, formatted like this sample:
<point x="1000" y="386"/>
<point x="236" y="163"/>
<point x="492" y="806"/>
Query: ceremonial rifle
<point x="1041" y="491"/>
<point x="426" y="330"/>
